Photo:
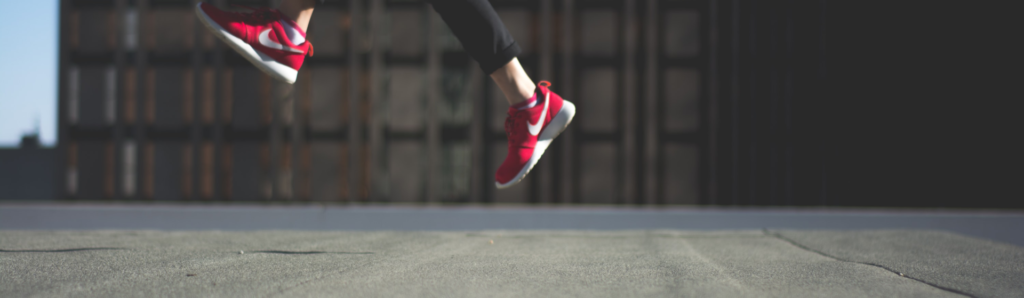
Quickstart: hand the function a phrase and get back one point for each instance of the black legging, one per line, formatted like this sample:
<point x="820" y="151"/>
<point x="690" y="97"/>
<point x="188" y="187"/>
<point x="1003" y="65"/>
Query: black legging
<point x="480" y="31"/>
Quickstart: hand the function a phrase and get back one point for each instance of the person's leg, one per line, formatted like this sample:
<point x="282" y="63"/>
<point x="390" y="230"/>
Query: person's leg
<point x="485" y="38"/>
<point x="299" y="11"/>
<point x="513" y="82"/>
<point x="536" y="115"/>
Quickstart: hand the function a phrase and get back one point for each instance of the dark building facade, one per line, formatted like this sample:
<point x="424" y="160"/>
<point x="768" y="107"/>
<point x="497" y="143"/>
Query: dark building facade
<point x="734" y="102"/>
<point x="389" y="109"/>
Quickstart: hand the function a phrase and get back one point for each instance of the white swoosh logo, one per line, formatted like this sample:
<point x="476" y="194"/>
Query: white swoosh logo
<point x="265" y="41"/>
<point x="535" y="128"/>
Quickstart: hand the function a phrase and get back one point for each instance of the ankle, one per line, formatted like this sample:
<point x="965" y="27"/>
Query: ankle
<point x="526" y="104"/>
<point x="299" y="11"/>
<point x="514" y="82"/>
<point x="527" y="91"/>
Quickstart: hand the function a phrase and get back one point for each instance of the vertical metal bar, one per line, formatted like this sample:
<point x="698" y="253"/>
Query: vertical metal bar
<point x="629" y="105"/>
<point x="659" y="115"/>
<point x="277" y="106"/>
<point x="218" y="122"/>
<point x="569" y="174"/>
<point x="377" y="113"/>
<point x="477" y="136"/>
<point x="752" y="100"/>
<point x="296" y="143"/>
<point x="773" y="104"/>
<point x="118" y="129"/>
<point x="281" y="95"/>
<point x="287" y="170"/>
<point x="478" y="182"/>
<point x="822" y="77"/>
<point x="275" y="144"/>
<point x="712" y="119"/>
<point x="734" y="96"/>
<point x="546" y="183"/>
<point x="433" y="132"/>
<point x="482" y="131"/>
<point x="141" y="72"/>
<point x="651" y="129"/>
<point x="788" y="108"/>
<point x="62" y="175"/>
<point x="354" y="72"/>
<point x="197" y="81"/>
<point x="110" y="121"/>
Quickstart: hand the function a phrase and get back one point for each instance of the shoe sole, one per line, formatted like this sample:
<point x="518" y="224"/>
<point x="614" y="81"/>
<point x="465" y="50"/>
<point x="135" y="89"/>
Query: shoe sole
<point x="561" y="121"/>
<point x="262" y="61"/>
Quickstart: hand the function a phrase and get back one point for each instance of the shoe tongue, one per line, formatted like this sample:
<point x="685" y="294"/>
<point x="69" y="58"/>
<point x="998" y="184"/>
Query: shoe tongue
<point x="285" y="20"/>
<point x="294" y="34"/>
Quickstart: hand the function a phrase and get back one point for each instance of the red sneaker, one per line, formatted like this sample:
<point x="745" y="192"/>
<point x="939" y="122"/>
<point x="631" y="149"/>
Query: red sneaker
<point x="530" y="131"/>
<point x="259" y="37"/>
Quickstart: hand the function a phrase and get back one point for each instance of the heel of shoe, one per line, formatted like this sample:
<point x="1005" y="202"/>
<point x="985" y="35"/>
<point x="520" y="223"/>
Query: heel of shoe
<point x="560" y="121"/>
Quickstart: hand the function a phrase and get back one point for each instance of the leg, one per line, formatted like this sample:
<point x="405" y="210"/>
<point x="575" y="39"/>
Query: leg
<point x="480" y="29"/>
<point x="485" y="37"/>
<point x="537" y="115"/>
<point x="513" y="82"/>
<point x="298" y="10"/>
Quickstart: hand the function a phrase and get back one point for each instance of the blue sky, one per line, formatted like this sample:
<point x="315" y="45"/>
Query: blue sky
<point x="28" y="75"/>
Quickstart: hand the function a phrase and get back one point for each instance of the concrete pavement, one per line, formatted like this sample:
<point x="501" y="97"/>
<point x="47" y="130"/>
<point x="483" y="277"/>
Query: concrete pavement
<point x="141" y="250"/>
<point x="496" y="263"/>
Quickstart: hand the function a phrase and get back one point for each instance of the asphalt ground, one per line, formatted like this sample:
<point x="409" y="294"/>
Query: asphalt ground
<point x="141" y="251"/>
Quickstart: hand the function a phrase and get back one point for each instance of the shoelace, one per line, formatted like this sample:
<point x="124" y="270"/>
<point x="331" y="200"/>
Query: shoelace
<point x="262" y="15"/>
<point x="517" y="116"/>
<point x="511" y="123"/>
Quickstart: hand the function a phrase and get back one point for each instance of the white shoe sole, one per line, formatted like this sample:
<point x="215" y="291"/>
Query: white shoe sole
<point x="262" y="61"/>
<point x="561" y="121"/>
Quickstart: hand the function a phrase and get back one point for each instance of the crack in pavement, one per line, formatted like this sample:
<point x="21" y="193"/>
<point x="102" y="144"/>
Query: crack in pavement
<point x="313" y="252"/>
<point x="798" y="245"/>
<point x="62" y="250"/>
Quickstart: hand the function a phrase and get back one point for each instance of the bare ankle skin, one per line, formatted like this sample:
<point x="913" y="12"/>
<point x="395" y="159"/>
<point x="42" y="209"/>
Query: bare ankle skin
<point x="513" y="82"/>
<point x="299" y="11"/>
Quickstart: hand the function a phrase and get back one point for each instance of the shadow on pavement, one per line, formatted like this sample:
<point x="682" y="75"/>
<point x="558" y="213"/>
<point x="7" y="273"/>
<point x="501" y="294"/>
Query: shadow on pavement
<point x="288" y="252"/>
